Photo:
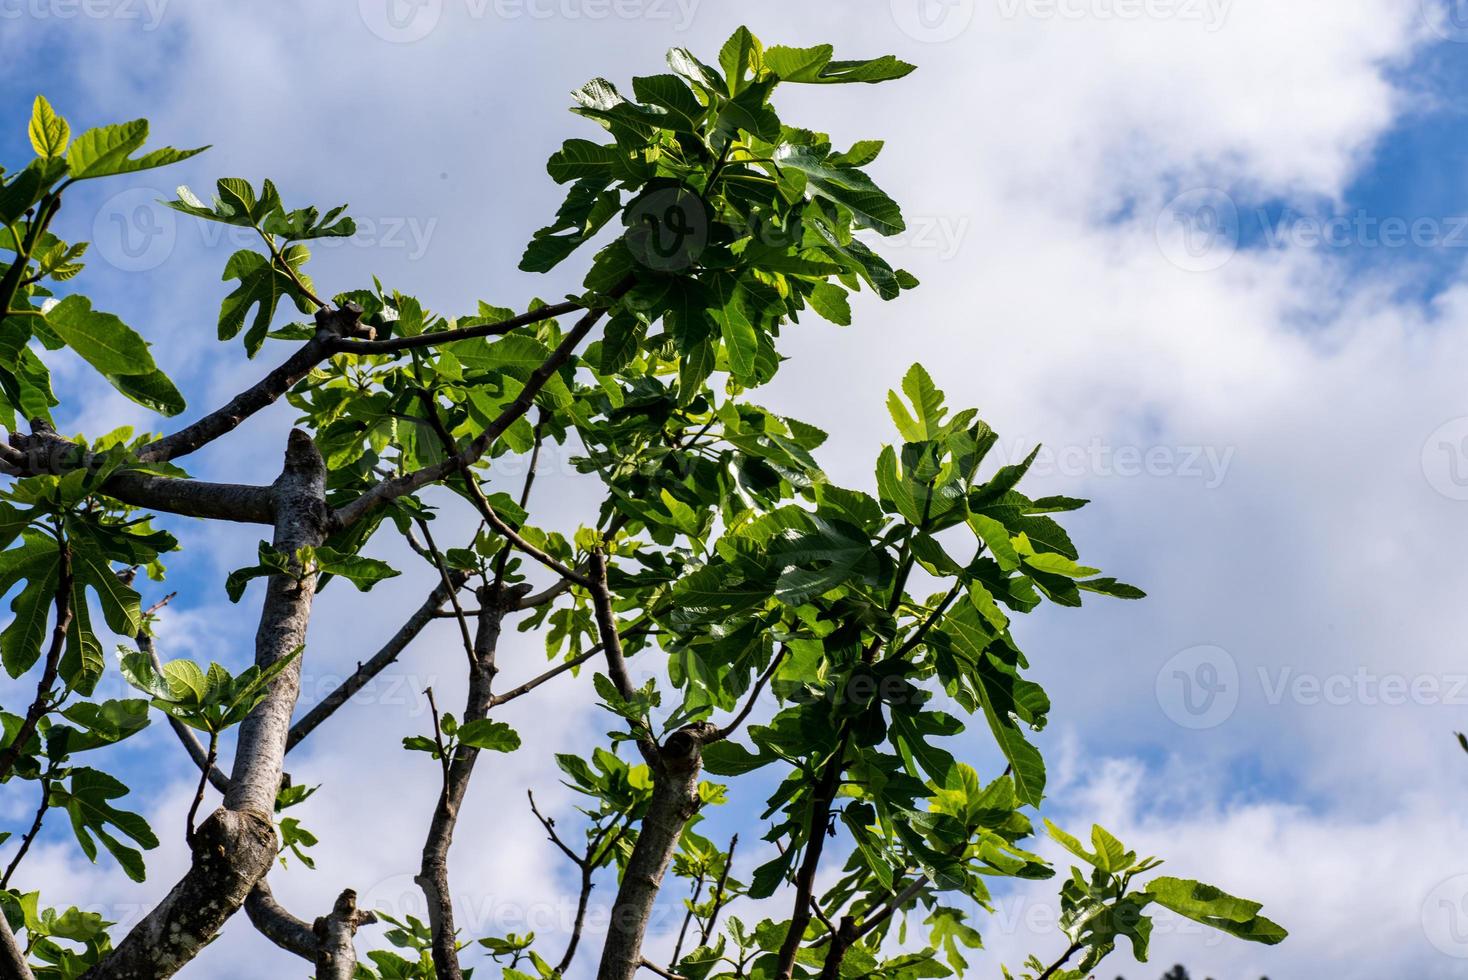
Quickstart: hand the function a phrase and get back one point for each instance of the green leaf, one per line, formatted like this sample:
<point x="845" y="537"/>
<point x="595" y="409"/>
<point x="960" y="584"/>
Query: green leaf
<point x="1214" y="907"/>
<point x="261" y="286"/>
<point x="926" y="399"/>
<point x="20" y="644"/>
<point x="830" y="301"/>
<point x="1111" y="587"/>
<point x="153" y="390"/>
<point x="103" y="340"/>
<point x="107" y="150"/>
<point x="740" y="57"/>
<point x="485" y="733"/>
<point x="87" y="802"/>
<point x="872" y="71"/>
<point x="683" y="112"/>
<point x="361" y="572"/>
<point x="741" y="342"/>
<point x="49" y="132"/>
<point x="848" y="187"/>
<point x="578" y="158"/>
<point x="798" y="64"/>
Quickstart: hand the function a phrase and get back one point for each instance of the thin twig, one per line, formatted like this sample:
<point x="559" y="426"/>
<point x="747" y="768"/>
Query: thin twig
<point x="25" y="844"/>
<point x="449" y="336"/>
<point x="1054" y="967"/>
<point x="561" y="668"/>
<point x="443" y="571"/>
<point x="754" y="694"/>
<point x="203" y="782"/>
<point x="665" y="974"/>
<point x="708" y="926"/>
<point x="486" y="509"/>
<point x="687" y="918"/>
<point x="389" y="490"/>
<point x="443" y="755"/>
<point x="555" y="838"/>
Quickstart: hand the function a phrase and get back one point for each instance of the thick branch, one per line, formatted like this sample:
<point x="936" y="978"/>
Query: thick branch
<point x="43" y="451"/>
<point x="237" y="502"/>
<point x="12" y="957"/>
<point x="330" y="326"/>
<point x="336" y="957"/>
<point x="275" y="923"/>
<point x="433" y="872"/>
<point x="232" y="851"/>
<point x="675" y="767"/>
<point x="300" y="522"/>
<point x="234" y="848"/>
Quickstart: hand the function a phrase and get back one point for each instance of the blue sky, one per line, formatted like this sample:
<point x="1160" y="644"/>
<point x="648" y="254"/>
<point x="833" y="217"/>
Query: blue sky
<point x="1299" y="524"/>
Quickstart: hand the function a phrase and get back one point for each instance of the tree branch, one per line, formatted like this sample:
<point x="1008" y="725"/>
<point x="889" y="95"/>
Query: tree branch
<point x="675" y="768"/>
<point x="433" y="876"/>
<point x="820" y="816"/>
<point x="331" y="326"/>
<point x="30" y="835"/>
<point x="12" y="958"/>
<point x="759" y="686"/>
<point x="400" y="486"/>
<point x="275" y="923"/>
<point x="665" y="974"/>
<point x="336" y="957"/>
<point x="708" y="926"/>
<point x="379" y="662"/>
<point x="395" y="344"/>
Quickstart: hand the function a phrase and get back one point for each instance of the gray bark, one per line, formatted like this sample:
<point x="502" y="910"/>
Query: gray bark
<point x="12" y="959"/>
<point x="234" y="848"/>
<point x="675" y="768"/>
<point x="273" y="921"/>
<point x="43" y="451"/>
<point x="300" y="521"/>
<point x="232" y="851"/>
<point x="336" y="957"/>
<point x="433" y="872"/>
